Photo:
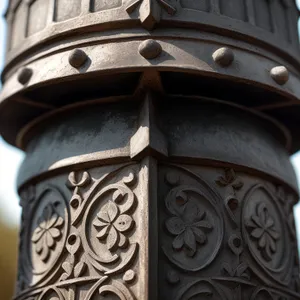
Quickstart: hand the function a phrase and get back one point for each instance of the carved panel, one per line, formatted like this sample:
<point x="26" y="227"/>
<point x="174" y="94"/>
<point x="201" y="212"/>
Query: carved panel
<point x="234" y="9"/>
<point x="266" y="234"/>
<point x="282" y="19"/>
<point x="86" y="247"/>
<point x="194" y="225"/>
<point x="19" y="20"/>
<point x="37" y="15"/>
<point x="263" y="16"/>
<point x="221" y="234"/>
<point x="237" y="224"/>
<point x="67" y="9"/>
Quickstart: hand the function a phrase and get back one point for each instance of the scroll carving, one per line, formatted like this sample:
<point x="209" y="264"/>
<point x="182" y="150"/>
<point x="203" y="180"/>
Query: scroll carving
<point x="256" y="250"/>
<point x="91" y="244"/>
<point x="220" y="237"/>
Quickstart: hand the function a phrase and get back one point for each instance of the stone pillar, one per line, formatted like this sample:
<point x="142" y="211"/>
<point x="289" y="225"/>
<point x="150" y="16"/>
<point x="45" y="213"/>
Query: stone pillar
<point x="157" y="137"/>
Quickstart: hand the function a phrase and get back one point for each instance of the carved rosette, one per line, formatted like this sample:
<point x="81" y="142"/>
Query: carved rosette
<point x="195" y="225"/>
<point x="265" y="231"/>
<point x="45" y="237"/>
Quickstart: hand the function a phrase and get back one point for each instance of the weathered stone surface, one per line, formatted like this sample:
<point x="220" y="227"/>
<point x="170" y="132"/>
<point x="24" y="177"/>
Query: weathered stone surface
<point x="157" y="137"/>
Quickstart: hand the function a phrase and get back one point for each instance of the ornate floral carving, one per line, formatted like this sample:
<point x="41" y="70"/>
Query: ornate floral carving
<point x="194" y="225"/>
<point x="98" y="253"/>
<point x="189" y="227"/>
<point x="73" y="267"/>
<point x="230" y="179"/>
<point x="100" y="241"/>
<point x="48" y="232"/>
<point x="113" y="225"/>
<point x="262" y="229"/>
<point x="265" y="234"/>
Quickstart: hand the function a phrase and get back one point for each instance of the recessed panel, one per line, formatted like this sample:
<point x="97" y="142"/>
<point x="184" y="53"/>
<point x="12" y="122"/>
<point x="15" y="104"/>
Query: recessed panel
<point x="67" y="9"/>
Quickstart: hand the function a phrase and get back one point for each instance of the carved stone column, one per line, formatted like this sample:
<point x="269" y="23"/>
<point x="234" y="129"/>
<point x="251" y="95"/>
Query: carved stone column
<point x="158" y="136"/>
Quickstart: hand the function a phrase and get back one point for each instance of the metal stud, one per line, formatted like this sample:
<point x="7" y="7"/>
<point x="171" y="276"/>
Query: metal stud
<point x="150" y="49"/>
<point x="24" y="75"/>
<point x="223" y="56"/>
<point x="280" y="74"/>
<point x="77" y="58"/>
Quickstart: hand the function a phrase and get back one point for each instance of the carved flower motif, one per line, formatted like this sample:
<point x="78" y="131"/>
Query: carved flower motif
<point x="112" y="225"/>
<point x="47" y="233"/>
<point x="262" y="229"/>
<point x="188" y="227"/>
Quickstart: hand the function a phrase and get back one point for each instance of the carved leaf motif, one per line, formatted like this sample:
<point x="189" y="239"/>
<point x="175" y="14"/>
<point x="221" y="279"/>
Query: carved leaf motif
<point x="227" y="269"/>
<point x="68" y="267"/>
<point x="112" y="238"/>
<point x="240" y="271"/>
<point x="79" y="269"/>
<point x="230" y="178"/>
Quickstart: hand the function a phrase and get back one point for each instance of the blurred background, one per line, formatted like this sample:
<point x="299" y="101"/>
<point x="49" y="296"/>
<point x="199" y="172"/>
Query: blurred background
<point x="10" y="160"/>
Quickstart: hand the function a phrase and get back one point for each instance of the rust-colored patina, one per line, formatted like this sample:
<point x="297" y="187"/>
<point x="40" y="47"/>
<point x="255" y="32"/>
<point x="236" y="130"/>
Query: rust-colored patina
<point x="158" y="136"/>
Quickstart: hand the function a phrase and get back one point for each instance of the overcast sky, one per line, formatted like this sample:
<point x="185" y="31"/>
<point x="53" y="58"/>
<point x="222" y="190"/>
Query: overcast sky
<point x="10" y="159"/>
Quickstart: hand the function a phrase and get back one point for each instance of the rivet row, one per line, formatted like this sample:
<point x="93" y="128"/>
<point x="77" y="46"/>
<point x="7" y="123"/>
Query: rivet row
<point x="151" y="49"/>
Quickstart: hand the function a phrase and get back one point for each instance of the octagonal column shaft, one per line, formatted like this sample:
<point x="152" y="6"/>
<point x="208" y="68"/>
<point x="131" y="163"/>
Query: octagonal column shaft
<point x="158" y="202"/>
